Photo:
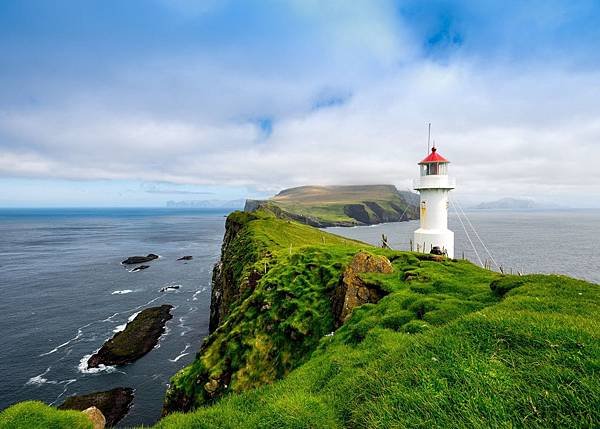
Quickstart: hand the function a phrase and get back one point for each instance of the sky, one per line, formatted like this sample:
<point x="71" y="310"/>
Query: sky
<point x="134" y="103"/>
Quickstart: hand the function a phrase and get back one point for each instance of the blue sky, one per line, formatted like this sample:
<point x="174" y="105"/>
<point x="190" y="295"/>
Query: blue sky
<point x="140" y="102"/>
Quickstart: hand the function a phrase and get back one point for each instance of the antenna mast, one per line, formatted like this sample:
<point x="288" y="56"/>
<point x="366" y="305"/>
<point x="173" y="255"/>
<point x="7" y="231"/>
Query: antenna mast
<point x="428" y="137"/>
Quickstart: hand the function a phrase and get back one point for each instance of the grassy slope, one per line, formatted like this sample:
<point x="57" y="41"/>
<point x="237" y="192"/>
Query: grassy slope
<point x="452" y="345"/>
<point x="327" y="203"/>
<point x="36" y="415"/>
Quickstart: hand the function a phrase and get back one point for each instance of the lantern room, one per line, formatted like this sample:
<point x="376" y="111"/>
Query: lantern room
<point x="434" y="165"/>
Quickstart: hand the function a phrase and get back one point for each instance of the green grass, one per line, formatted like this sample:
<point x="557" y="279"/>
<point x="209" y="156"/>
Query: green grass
<point x="272" y="327"/>
<point x="451" y="345"/>
<point x="36" y="415"/>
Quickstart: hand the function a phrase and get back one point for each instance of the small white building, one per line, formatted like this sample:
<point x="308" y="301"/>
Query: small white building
<point x="434" y="185"/>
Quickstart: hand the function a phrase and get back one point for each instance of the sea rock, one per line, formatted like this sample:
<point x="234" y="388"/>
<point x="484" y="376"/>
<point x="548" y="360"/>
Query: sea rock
<point x="138" y="338"/>
<point x="139" y="259"/>
<point x="111" y="405"/>
<point x="169" y="288"/>
<point x="185" y="258"/>
<point x="140" y="268"/>
<point x="96" y="416"/>
<point x="354" y="291"/>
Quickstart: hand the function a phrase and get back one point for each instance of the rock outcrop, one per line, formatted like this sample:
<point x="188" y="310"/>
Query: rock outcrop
<point x="185" y="258"/>
<point x="353" y="291"/>
<point x="96" y="417"/>
<point x="132" y="260"/>
<point x="109" y="406"/>
<point x="139" y="337"/>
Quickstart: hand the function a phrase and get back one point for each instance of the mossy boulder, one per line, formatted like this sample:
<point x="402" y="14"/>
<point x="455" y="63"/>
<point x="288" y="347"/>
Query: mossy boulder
<point x="139" y="337"/>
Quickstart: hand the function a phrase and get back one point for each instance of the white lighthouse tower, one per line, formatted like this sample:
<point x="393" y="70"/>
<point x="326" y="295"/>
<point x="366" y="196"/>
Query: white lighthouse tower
<point x="434" y="185"/>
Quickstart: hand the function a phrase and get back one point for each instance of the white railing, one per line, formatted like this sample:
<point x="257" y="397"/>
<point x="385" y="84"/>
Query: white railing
<point x="434" y="181"/>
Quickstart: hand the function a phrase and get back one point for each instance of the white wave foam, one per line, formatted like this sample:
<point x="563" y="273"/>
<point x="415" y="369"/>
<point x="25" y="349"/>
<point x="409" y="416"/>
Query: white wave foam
<point x="83" y="366"/>
<point x="133" y="316"/>
<point x="182" y="354"/>
<point x="39" y="379"/>
<point x="66" y="343"/>
<point x="185" y="329"/>
<point x="110" y="319"/>
<point x="121" y="292"/>
<point x="167" y="332"/>
<point x="66" y="383"/>
<point x="120" y="328"/>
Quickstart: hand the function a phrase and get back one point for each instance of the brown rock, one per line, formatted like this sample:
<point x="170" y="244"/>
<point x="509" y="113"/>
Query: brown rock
<point x="352" y="290"/>
<point x="96" y="416"/>
<point x="113" y="404"/>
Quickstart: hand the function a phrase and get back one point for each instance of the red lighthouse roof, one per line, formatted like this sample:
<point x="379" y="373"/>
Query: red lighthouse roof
<point x="433" y="157"/>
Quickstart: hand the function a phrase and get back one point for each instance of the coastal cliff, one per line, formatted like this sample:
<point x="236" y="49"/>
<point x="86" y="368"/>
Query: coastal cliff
<point x="270" y="305"/>
<point x="311" y="330"/>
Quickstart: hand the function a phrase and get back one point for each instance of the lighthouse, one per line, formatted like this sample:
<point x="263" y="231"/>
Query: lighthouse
<point x="434" y="185"/>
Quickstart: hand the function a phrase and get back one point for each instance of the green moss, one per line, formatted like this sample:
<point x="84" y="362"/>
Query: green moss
<point x="34" y="415"/>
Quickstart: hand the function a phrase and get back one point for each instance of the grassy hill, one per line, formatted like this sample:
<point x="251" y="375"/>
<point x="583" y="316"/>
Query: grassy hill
<point x="341" y="205"/>
<point x="451" y="345"/>
<point x="448" y="345"/>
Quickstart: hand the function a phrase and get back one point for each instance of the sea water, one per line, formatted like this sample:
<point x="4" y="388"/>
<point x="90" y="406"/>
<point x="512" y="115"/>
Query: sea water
<point x="64" y="292"/>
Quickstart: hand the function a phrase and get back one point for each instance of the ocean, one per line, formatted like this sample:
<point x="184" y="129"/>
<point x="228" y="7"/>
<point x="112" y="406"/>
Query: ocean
<point x="64" y="291"/>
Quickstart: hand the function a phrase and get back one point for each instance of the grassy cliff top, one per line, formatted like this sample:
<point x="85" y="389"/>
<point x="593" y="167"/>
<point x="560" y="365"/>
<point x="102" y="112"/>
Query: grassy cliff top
<point x="450" y="345"/>
<point x="343" y="205"/>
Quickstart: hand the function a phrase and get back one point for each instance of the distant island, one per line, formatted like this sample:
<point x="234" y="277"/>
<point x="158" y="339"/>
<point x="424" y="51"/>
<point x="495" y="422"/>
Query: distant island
<point x="325" y="206"/>
<point x="207" y="204"/>
<point x="514" y="203"/>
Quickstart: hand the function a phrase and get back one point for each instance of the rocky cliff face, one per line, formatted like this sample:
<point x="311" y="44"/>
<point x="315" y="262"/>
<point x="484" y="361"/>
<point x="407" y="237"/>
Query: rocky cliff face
<point x="227" y="281"/>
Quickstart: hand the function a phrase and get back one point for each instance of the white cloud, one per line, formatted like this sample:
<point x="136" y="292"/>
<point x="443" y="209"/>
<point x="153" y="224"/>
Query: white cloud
<point x="190" y="118"/>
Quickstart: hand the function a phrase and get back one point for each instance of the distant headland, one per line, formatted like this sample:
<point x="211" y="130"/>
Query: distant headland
<point x="350" y="205"/>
